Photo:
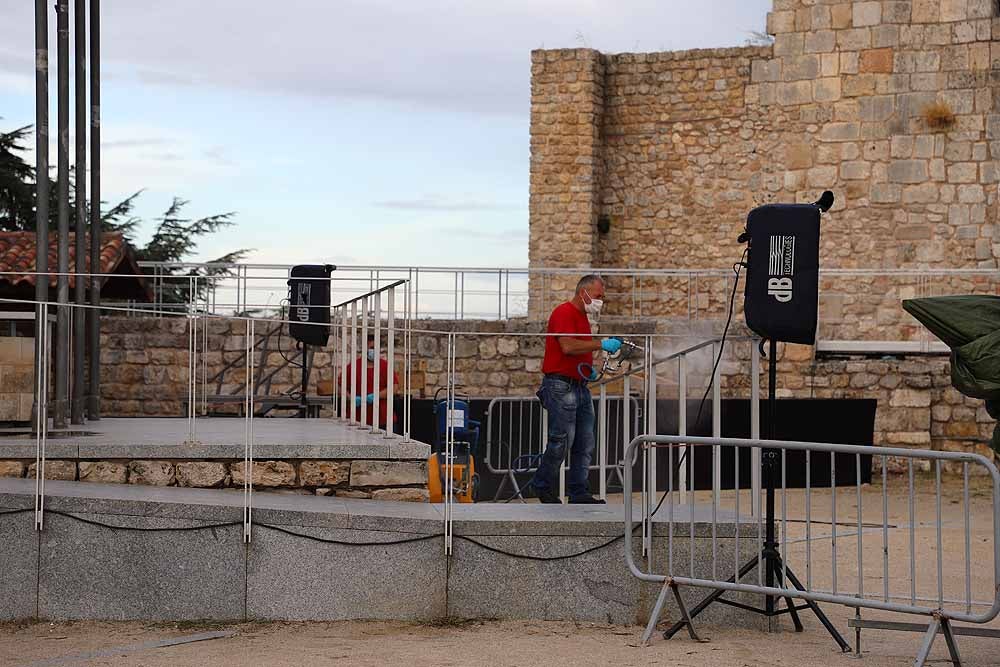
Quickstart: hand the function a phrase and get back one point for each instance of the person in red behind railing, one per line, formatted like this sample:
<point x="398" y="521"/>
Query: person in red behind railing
<point x="568" y="366"/>
<point x="356" y="403"/>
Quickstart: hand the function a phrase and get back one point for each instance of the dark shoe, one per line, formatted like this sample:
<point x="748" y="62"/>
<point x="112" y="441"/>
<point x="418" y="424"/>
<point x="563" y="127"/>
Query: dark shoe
<point x="586" y="500"/>
<point x="546" y="497"/>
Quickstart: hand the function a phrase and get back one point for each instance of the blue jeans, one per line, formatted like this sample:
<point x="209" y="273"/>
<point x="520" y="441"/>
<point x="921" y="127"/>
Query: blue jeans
<point x="571" y="423"/>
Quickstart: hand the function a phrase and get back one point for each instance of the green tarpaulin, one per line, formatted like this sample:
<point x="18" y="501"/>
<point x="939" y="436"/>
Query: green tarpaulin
<point x="970" y="326"/>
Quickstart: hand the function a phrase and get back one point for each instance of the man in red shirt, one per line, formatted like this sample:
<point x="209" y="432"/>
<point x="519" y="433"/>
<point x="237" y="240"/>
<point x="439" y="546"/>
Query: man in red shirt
<point x="368" y="401"/>
<point x="567" y="367"/>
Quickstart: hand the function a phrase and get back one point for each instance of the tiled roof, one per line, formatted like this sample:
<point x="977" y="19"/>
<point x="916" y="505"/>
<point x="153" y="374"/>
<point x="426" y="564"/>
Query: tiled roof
<point x="17" y="255"/>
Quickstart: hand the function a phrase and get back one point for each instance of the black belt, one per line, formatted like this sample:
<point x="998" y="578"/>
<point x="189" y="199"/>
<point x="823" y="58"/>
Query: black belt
<point x="566" y="378"/>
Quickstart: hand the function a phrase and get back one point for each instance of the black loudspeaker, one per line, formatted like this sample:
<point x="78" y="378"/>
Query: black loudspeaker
<point x="309" y="303"/>
<point x="782" y="288"/>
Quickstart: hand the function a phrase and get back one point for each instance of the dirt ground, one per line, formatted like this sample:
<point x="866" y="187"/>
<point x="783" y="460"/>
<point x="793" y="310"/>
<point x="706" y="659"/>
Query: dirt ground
<point x="556" y="644"/>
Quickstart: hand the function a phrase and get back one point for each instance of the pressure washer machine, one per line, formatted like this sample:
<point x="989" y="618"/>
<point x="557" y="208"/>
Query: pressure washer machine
<point x="460" y="466"/>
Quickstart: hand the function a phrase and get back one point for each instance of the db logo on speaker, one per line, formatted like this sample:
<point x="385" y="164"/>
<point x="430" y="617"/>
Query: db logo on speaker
<point x="781" y="267"/>
<point x="780" y="289"/>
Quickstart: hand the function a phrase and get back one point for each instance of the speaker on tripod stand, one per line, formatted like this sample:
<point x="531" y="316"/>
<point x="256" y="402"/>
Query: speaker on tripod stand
<point x="309" y="315"/>
<point x="780" y="304"/>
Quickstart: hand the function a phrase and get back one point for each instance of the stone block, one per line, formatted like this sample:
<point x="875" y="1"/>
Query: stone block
<point x="867" y="14"/>
<point x="12" y="469"/>
<point x="402" y="495"/>
<point x="822" y="177"/>
<point x="925" y="193"/>
<point x="926" y="11"/>
<point x="841" y="16"/>
<point x="399" y="582"/>
<point x="971" y="194"/>
<point x="859" y="85"/>
<point x="855" y="39"/>
<point x="876" y="109"/>
<point x="795" y="93"/>
<point x="202" y="474"/>
<point x="982" y="9"/>
<point x="849" y="63"/>
<point x="963" y="172"/>
<point x="765" y="70"/>
<point x="910" y="398"/>
<point x="840" y="132"/>
<point x="140" y="575"/>
<point x="876" y="61"/>
<point x="896" y="11"/>
<point x="820" y="41"/>
<point x="265" y="473"/>
<point x="885" y="36"/>
<point x="104" y="472"/>
<point x="827" y="89"/>
<point x="779" y="22"/>
<point x="388" y="473"/>
<point x="19" y="574"/>
<point x="324" y="473"/>
<point x="60" y="470"/>
<point x="886" y="193"/>
<point x="151" y="473"/>
<point x="855" y="170"/>
<point x="954" y="10"/>
<point x="788" y="44"/>
<point x="908" y="171"/>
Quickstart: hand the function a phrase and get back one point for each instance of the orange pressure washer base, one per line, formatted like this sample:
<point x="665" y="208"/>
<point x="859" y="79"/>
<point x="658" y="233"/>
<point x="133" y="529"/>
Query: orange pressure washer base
<point x="462" y="475"/>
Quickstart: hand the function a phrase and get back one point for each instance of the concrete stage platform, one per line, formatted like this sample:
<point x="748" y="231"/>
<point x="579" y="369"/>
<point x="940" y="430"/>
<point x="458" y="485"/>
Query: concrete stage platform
<point x="214" y="438"/>
<point x="133" y="552"/>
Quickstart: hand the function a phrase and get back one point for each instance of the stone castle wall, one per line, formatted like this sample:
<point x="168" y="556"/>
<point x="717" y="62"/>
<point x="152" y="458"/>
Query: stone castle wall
<point x="652" y="161"/>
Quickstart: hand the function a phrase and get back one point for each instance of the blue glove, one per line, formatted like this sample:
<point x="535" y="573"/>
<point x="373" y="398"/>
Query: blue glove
<point x="594" y="376"/>
<point x="371" y="398"/>
<point x="357" y="401"/>
<point x="611" y="345"/>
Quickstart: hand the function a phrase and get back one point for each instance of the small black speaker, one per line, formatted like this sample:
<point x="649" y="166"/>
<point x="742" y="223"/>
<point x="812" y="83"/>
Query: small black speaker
<point x="782" y="288"/>
<point x="309" y="303"/>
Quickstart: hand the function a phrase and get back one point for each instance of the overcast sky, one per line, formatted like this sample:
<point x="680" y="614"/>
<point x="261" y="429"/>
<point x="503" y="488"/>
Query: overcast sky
<point x="368" y="132"/>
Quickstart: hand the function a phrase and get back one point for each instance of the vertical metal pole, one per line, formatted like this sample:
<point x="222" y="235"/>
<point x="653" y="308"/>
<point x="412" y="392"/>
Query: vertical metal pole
<point x="682" y="452"/>
<point x="716" y="427"/>
<point x="62" y="185"/>
<point x="352" y="368"/>
<point x="41" y="188"/>
<point x="80" y="263"/>
<point x="652" y="427"/>
<point x="602" y="441"/>
<point x="41" y="414"/>
<point x="377" y="364"/>
<point x="94" y="322"/>
<point x="364" y="363"/>
<point x="755" y="426"/>
<point x="343" y="362"/>
<point x="390" y="381"/>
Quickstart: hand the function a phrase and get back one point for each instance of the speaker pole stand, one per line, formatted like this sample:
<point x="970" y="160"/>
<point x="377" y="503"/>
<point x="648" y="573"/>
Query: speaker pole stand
<point x="304" y="398"/>
<point x="770" y="556"/>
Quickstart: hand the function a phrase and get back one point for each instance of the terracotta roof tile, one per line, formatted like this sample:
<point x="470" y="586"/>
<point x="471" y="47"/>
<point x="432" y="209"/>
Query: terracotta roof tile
<point x="17" y="256"/>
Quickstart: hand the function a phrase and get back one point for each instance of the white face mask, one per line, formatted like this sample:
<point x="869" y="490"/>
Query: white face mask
<point x="371" y="355"/>
<point x="595" y="305"/>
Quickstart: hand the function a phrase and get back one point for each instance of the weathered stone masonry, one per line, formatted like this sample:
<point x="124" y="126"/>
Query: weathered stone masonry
<point x="671" y="150"/>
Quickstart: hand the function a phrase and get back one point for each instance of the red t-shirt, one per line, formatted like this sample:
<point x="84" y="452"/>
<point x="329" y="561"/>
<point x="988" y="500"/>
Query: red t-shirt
<point x="566" y="319"/>
<point x="383" y="409"/>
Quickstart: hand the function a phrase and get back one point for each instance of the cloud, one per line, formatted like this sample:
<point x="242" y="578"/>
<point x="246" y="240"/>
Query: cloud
<point x="446" y="206"/>
<point x="466" y="56"/>
<point x="500" y="235"/>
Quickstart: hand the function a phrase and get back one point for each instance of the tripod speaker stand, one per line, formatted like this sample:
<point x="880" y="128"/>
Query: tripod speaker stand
<point x="769" y="557"/>
<point x="780" y="303"/>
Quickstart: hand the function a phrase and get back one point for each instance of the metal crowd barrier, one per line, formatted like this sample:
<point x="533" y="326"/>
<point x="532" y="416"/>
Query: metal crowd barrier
<point x="516" y="436"/>
<point x="828" y="580"/>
